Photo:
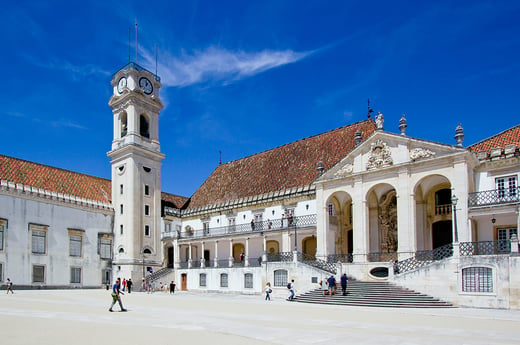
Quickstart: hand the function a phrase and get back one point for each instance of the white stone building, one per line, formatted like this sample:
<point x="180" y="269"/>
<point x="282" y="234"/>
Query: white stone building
<point x="439" y="218"/>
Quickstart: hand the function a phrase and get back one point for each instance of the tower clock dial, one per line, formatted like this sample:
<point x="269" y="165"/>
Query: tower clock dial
<point x="146" y="85"/>
<point x="121" y="84"/>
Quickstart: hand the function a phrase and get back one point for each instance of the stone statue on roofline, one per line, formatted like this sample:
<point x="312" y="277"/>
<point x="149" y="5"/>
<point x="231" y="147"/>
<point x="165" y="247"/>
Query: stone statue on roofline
<point x="379" y="121"/>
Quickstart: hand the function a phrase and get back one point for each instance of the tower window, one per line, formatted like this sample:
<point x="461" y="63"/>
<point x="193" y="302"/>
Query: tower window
<point x="121" y="189"/>
<point x="144" y="127"/>
<point x="147" y="230"/>
<point x="146" y="169"/>
<point x="121" y="209"/>
<point x="146" y="210"/>
<point x="121" y="228"/>
<point x="123" y="125"/>
<point x="146" y="189"/>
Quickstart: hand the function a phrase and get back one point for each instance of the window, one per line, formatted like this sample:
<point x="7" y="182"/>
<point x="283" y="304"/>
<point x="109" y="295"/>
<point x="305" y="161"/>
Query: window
<point x="75" y="275"/>
<point x="121" y="189"/>
<point x="38" y="242"/>
<point x="280" y="278"/>
<point x="75" y="245"/>
<point x="105" y="248"/>
<point x="121" y="209"/>
<point x="144" y="126"/>
<point x="477" y="279"/>
<point x="224" y="280"/>
<point x="248" y="280"/>
<point x="167" y="227"/>
<point x="146" y="189"/>
<point x="2" y="230"/>
<point x="1" y="272"/>
<point x="147" y="230"/>
<point x="205" y="228"/>
<point x="38" y="274"/>
<point x="330" y="208"/>
<point x="259" y="221"/>
<point x="231" y="224"/>
<point x="202" y="279"/>
<point x="503" y="237"/>
<point x="146" y="210"/>
<point x="507" y="188"/>
<point x="121" y="229"/>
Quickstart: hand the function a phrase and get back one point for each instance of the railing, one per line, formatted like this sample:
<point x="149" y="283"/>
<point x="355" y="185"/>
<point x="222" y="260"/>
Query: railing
<point x="280" y="256"/>
<point x="158" y="274"/>
<point x="382" y="257"/>
<point x="441" y="210"/>
<point x="264" y="226"/>
<point x="493" y="197"/>
<point x="423" y="258"/>
<point x="344" y="258"/>
<point x="312" y="261"/>
<point x="485" y="248"/>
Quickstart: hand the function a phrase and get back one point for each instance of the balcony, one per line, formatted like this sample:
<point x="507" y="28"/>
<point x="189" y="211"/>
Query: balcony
<point x="256" y="227"/>
<point x="494" y="197"/>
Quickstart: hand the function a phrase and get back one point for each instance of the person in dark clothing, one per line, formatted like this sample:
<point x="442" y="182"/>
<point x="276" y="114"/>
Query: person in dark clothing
<point x="129" y="285"/>
<point x="344" y="281"/>
<point x="172" y="287"/>
<point x="332" y="285"/>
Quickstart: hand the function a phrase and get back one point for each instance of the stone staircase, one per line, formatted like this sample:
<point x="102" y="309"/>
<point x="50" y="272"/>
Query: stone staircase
<point x="374" y="294"/>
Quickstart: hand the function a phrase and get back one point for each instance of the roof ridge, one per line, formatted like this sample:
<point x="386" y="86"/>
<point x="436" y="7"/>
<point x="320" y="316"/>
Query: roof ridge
<point x="296" y="141"/>
<point x="54" y="168"/>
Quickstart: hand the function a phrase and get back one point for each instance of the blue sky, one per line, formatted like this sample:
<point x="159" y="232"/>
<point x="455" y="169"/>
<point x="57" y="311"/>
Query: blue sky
<point x="242" y="77"/>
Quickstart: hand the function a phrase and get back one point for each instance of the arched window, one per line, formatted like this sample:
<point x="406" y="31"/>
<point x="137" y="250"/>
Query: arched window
<point x="124" y="124"/>
<point x="121" y="250"/>
<point x="280" y="278"/>
<point x="147" y="251"/>
<point x="144" y="127"/>
<point x="224" y="280"/>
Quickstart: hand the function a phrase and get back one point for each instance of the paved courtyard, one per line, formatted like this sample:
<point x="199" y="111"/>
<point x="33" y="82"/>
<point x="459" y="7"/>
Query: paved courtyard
<point x="81" y="317"/>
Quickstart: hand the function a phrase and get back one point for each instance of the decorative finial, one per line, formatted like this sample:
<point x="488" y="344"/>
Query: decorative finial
<point x="358" y="138"/>
<point x="379" y="121"/>
<point x="459" y="135"/>
<point x="403" y="125"/>
<point x="320" y="167"/>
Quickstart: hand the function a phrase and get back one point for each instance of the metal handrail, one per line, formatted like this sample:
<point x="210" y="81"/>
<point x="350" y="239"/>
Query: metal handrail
<point x="423" y="258"/>
<point x="315" y="262"/>
<point x="494" y="196"/>
<point x="345" y="258"/>
<point x="255" y="227"/>
<point x="382" y="256"/>
<point x="485" y="248"/>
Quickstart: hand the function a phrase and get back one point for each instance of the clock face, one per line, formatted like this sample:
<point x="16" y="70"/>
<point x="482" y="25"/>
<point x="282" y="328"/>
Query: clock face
<point x="121" y="85"/>
<point x="146" y="85"/>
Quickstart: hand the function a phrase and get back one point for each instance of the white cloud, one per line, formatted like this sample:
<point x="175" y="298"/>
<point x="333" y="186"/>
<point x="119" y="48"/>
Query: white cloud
<point x="67" y="123"/>
<point x="219" y="64"/>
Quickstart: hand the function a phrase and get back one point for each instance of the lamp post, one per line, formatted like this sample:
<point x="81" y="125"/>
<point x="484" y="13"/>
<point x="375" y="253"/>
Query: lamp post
<point x="454" y="201"/>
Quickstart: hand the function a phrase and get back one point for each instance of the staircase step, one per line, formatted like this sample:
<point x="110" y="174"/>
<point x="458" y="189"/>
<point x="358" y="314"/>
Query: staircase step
<point x="374" y="294"/>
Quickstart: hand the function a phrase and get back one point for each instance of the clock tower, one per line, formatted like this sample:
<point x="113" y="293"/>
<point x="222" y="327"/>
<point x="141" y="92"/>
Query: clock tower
<point x="136" y="172"/>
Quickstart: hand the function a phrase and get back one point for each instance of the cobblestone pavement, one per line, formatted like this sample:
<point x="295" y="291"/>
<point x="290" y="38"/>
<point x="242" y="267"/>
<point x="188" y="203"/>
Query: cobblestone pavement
<point x="81" y="317"/>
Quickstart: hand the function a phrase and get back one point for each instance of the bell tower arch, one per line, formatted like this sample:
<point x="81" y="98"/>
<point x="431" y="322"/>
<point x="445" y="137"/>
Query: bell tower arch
<point x="136" y="171"/>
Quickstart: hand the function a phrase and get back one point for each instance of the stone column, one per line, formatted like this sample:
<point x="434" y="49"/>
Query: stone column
<point x="189" y="256"/>
<point x="177" y="254"/>
<point x="406" y="232"/>
<point x="216" y="254"/>
<point x="321" y="224"/>
<point x="360" y="226"/>
<point x="202" y="259"/>
<point x="246" y="259"/>
<point x="231" y="259"/>
<point x="264" y="254"/>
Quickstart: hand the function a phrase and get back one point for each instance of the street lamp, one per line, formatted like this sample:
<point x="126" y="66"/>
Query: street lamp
<point x="454" y="201"/>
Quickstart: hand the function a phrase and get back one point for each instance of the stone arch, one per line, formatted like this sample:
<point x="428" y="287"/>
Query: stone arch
<point x="339" y="223"/>
<point x="433" y="211"/>
<point x="309" y="245"/>
<point x="272" y="246"/>
<point x="382" y="222"/>
<point x="238" y="248"/>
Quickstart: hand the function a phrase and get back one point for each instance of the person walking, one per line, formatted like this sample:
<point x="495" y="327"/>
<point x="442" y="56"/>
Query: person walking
<point x="124" y="284"/>
<point x="116" y="295"/>
<point x="129" y="285"/>
<point x="332" y="285"/>
<point x="344" y="281"/>
<point x="172" y="287"/>
<point x="268" y="291"/>
<point x="324" y="286"/>
<point x="9" y="286"/>
<point x="292" y="290"/>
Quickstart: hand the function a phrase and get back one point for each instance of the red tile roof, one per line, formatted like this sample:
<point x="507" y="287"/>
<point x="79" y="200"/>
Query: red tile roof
<point x="287" y="166"/>
<point x="507" y="137"/>
<point x="177" y="200"/>
<point x="54" y="179"/>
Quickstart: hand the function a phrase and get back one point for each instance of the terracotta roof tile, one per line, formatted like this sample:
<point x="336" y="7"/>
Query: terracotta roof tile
<point x="177" y="200"/>
<point x="287" y="166"/>
<point x="507" y="137"/>
<point x="54" y="179"/>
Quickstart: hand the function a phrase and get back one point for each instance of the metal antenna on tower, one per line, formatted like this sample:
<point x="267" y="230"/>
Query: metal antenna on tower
<point x="129" y="45"/>
<point x="369" y="109"/>
<point x="136" y="41"/>
<point x="156" y="55"/>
